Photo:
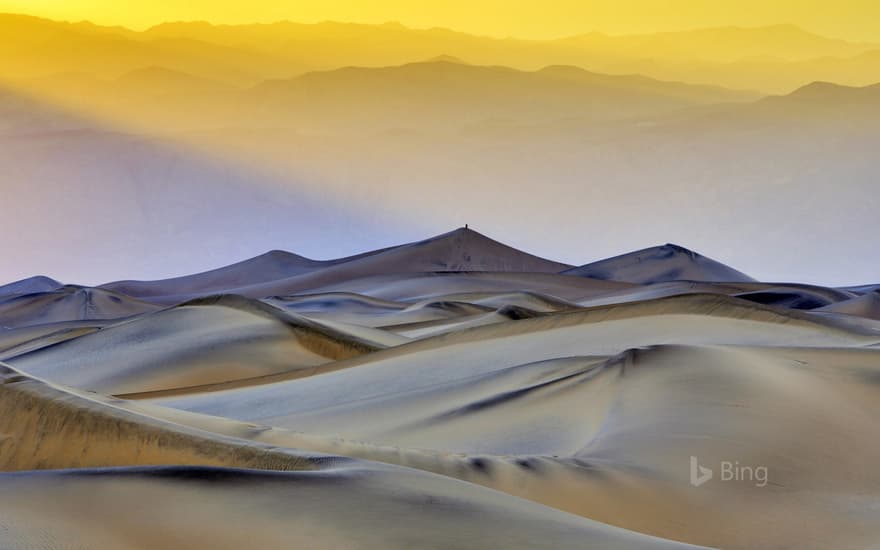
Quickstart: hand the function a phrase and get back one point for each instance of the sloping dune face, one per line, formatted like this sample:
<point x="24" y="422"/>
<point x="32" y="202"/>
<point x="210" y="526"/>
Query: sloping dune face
<point x="358" y="506"/>
<point x="660" y="264"/>
<point x="195" y="343"/>
<point x="459" y="250"/>
<point x="67" y="303"/>
<point x="449" y="393"/>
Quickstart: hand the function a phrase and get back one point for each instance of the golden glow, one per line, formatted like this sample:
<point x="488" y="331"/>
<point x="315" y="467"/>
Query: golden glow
<point x="283" y="105"/>
<point x="847" y="19"/>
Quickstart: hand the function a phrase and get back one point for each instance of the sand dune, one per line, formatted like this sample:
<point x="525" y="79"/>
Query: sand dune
<point x="68" y="303"/>
<point x="438" y="286"/>
<point x="452" y="393"/>
<point x="623" y="429"/>
<point x="458" y="250"/>
<point x="603" y="330"/>
<point x="271" y="266"/>
<point x="30" y="286"/>
<point x="193" y="344"/>
<point x="867" y="305"/>
<point x="361" y="506"/>
<point x="787" y="297"/>
<point x="431" y="328"/>
<point x="862" y="289"/>
<point x="21" y="340"/>
<point x="660" y="264"/>
<point x="42" y="423"/>
<point x="428" y="316"/>
<point x="294" y="506"/>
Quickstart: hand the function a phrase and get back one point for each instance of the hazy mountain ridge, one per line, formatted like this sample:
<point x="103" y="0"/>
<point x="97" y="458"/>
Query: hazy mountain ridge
<point x="425" y="94"/>
<point x="419" y="96"/>
<point x="246" y="54"/>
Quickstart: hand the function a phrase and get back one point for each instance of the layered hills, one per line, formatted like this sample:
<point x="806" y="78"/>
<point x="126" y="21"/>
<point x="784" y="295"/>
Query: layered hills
<point x="773" y="58"/>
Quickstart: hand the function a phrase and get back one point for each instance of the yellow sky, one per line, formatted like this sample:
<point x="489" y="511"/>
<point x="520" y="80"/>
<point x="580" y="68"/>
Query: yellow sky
<point x="850" y="19"/>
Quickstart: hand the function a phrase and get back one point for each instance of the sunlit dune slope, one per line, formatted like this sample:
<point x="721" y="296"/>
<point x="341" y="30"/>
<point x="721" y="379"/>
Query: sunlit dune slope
<point x="362" y="506"/>
<point x="197" y="343"/>
<point x="612" y="438"/>
<point x="111" y="435"/>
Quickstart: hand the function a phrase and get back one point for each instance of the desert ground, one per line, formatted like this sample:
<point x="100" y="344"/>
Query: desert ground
<point x="449" y="393"/>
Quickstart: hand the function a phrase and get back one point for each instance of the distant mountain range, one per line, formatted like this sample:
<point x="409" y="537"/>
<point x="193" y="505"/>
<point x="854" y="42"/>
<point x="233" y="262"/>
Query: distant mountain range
<point x="771" y="59"/>
<point x="420" y="96"/>
<point x="447" y="94"/>
<point x="438" y="94"/>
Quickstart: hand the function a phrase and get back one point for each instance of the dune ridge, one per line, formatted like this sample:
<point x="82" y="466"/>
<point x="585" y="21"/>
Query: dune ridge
<point x="670" y="263"/>
<point x="203" y="340"/>
<point x="58" y="420"/>
<point x="459" y="250"/>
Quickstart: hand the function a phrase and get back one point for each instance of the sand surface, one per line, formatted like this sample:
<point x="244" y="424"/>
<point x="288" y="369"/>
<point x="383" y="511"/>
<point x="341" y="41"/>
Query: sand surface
<point x="449" y="393"/>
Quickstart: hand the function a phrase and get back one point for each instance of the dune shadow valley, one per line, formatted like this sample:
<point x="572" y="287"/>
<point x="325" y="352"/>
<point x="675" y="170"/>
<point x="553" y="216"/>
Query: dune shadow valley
<point x="387" y="275"/>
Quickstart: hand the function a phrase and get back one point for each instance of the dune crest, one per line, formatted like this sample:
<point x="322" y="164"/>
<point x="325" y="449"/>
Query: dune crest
<point x="659" y="264"/>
